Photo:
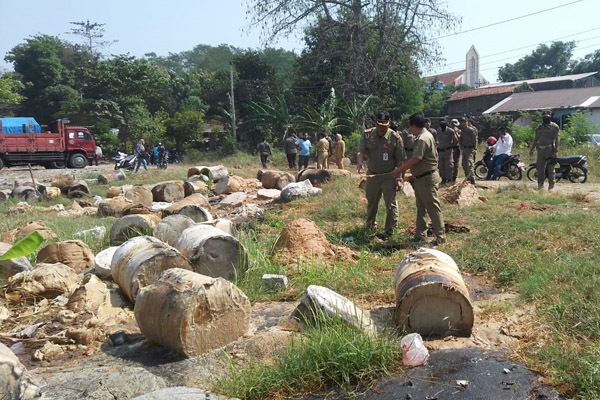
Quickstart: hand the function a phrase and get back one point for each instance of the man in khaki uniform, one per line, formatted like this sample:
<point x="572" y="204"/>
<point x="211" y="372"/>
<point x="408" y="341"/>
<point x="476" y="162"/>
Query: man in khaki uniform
<point x="546" y="141"/>
<point x="446" y="140"/>
<point x="454" y="125"/>
<point x="322" y="152"/>
<point x="385" y="154"/>
<point x="468" y="148"/>
<point x="409" y="144"/>
<point x="339" y="149"/>
<point x="423" y="166"/>
<point x="431" y="130"/>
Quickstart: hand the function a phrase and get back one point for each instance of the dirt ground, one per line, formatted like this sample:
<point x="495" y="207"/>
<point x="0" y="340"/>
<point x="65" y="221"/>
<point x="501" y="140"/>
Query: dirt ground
<point x="9" y="175"/>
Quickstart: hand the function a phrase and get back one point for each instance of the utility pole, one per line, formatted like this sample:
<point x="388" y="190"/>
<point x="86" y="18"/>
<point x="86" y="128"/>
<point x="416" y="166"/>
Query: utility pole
<point x="232" y="103"/>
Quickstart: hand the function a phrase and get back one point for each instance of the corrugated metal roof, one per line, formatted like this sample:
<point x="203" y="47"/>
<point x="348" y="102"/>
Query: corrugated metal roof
<point x="447" y="78"/>
<point x="574" y="77"/>
<point x="549" y="99"/>
<point x="482" y="91"/>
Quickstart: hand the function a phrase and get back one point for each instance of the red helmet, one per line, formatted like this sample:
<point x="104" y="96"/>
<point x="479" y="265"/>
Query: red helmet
<point x="491" y="141"/>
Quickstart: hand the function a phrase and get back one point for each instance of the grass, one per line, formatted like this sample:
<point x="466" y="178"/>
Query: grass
<point x="329" y="353"/>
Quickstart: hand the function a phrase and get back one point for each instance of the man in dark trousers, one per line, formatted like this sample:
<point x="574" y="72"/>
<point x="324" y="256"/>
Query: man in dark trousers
<point x="289" y="145"/>
<point x="265" y="151"/>
<point x="423" y="166"/>
<point x="546" y="141"/>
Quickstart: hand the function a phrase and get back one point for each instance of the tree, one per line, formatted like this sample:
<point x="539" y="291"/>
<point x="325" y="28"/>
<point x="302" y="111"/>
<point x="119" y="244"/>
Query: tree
<point x="356" y="44"/>
<point x="271" y="117"/>
<point x="589" y="63"/>
<point x="323" y="118"/>
<point x="10" y="90"/>
<point x="92" y="33"/>
<point x="185" y="127"/>
<point x="544" y="61"/>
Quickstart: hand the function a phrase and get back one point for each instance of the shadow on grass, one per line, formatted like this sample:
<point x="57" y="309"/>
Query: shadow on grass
<point x="362" y="239"/>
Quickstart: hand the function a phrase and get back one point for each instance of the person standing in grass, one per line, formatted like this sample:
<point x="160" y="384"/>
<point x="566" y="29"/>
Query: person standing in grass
<point x="546" y="141"/>
<point x="339" y="150"/>
<point x="424" y="167"/>
<point x="291" y="149"/>
<point x="384" y="151"/>
<point x="304" y="145"/>
<point x="264" y="150"/>
<point x="140" y="153"/>
<point x="323" y="152"/>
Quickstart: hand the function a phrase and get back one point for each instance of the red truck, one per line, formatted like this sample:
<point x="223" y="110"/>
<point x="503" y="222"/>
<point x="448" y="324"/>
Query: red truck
<point x="23" y="141"/>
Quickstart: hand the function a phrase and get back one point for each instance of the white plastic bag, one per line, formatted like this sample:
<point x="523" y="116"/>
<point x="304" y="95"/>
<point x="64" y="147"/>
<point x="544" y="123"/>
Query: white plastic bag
<point x="415" y="352"/>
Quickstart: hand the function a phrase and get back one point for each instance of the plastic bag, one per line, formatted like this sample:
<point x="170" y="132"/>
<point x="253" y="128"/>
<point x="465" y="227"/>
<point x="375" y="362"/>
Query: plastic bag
<point x="415" y="352"/>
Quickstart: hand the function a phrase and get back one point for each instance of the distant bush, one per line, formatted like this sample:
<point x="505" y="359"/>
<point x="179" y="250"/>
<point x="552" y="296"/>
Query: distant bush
<point x="352" y="140"/>
<point x="578" y="128"/>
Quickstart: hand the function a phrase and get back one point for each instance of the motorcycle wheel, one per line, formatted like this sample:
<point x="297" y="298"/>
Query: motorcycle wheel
<point x="577" y="175"/>
<point x="514" y="173"/>
<point x="532" y="174"/>
<point x="481" y="170"/>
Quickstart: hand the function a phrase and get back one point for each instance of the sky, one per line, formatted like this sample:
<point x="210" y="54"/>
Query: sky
<point x="173" y="26"/>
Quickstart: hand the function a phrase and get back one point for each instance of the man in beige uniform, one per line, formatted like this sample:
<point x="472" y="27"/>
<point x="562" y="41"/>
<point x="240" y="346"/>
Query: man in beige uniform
<point x="339" y="149"/>
<point x="385" y="154"/>
<point x="423" y="166"/>
<point x="547" y="140"/>
<point x="322" y="152"/>
<point x="446" y="140"/>
<point x="431" y="130"/>
<point x="468" y="148"/>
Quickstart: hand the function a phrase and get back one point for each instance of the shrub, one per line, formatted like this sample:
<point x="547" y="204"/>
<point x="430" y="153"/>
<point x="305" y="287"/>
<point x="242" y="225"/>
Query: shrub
<point x="578" y="128"/>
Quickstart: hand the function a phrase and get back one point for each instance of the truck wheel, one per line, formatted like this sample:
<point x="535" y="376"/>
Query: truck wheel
<point x="57" y="164"/>
<point x="78" y="161"/>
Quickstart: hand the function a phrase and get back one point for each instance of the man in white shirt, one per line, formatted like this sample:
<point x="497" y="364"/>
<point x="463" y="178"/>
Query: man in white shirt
<point x="503" y="147"/>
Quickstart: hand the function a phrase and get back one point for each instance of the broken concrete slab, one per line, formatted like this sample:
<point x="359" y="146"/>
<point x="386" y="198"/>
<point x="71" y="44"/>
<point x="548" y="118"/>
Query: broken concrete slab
<point x="234" y="200"/>
<point x="268" y="194"/>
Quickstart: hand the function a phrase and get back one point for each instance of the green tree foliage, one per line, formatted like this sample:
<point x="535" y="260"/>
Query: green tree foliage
<point x="589" y="63"/>
<point x="544" y="61"/>
<point x="270" y="118"/>
<point x="10" y="91"/>
<point x="202" y="57"/>
<point x="185" y="127"/>
<point x="436" y="101"/>
<point x="578" y="128"/>
<point x="323" y="118"/>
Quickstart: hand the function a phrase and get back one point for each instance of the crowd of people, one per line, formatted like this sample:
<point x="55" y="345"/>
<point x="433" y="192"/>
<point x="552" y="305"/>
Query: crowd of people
<point x="433" y="157"/>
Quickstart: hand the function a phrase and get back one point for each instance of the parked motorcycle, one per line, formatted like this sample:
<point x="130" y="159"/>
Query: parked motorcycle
<point x="573" y="168"/>
<point x="122" y="160"/>
<point x="512" y="167"/>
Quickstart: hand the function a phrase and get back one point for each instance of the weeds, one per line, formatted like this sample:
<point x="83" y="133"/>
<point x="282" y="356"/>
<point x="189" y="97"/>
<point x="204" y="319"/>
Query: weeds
<point x="328" y="353"/>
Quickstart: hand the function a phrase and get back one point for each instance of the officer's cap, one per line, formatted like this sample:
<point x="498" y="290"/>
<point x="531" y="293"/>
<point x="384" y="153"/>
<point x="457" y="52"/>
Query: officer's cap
<point x="462" y="119"/>
<point x="546" y="112"/>
<point x="383" y="118"/>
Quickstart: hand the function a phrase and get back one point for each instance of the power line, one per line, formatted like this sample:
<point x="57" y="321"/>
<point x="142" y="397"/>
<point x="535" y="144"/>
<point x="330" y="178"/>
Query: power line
<point x="508" y="20"/>
<point x="531" y="45"/>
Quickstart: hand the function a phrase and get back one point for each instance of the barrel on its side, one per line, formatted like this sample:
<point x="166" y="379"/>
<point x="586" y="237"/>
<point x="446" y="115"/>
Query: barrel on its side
<point x="216" y="173"/>
<point x="213" y="252"/>
<point x="431" y="296"/>
<point x="192" y="313"/>
<point x="140" y="261"/>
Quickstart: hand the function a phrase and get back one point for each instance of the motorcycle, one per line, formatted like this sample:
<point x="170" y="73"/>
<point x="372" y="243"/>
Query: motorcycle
<point x="512" y="167"/>
<point x="573" y="168"/>
<point x="122" y="160"/>
<point x="163" y="161"/>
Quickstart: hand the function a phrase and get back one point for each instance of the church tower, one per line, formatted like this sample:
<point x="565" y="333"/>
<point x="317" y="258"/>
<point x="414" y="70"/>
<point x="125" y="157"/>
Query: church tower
<point x="472" y="68"/>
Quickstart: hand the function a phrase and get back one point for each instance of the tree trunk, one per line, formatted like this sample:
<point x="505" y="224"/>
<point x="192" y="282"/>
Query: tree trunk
<point x="193" y="187"/>
<point x="168" y="192"/>
<point x="213" y="252"/>
<point x="431" y="296"/>
<point x="111" y="177"/>
<point x="140" y="194"/>
<point x="132" y="225"/>
<point x="191" y="313"/>
<point x="140" y="261"/>
<point x="215" y="173"/>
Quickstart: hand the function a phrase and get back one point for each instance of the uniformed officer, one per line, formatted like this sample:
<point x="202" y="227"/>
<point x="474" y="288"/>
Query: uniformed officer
<point x="468" y="148"/>
<point x="546" y="141"/>
<point x="431" y="130"/>
<point x="384" y="151"/>
<point x="323" y="152"/>
<point x="446" y="140"/>
<point x="409" y="143"/>
<point x="423" y="166"/>
<point x="454" y="125"/>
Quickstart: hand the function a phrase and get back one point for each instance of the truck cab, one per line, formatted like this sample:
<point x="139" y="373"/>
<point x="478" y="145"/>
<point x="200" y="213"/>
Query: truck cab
<point x="79" y="141"/>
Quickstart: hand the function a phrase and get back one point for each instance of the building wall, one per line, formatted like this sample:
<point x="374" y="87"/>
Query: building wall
<point x="475" y="105"/>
